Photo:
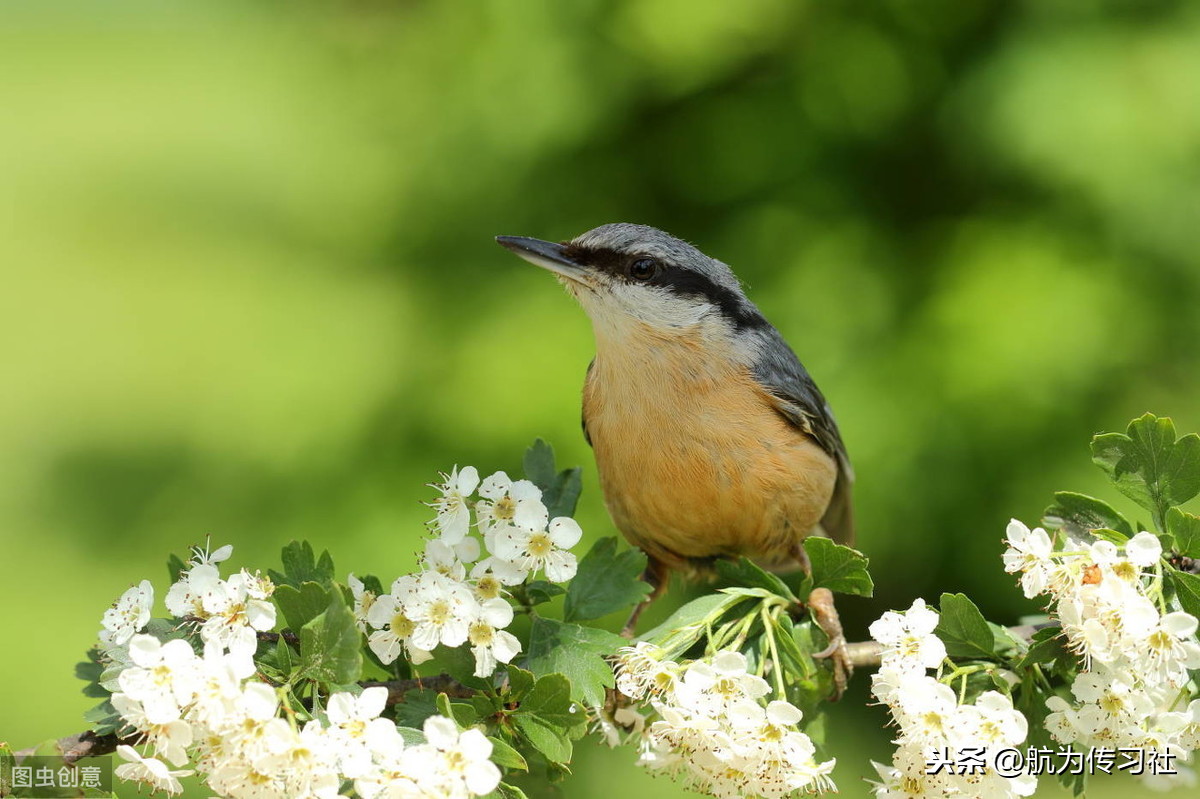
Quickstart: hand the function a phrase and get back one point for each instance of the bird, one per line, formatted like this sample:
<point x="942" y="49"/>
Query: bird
<point x="711" y="439"/>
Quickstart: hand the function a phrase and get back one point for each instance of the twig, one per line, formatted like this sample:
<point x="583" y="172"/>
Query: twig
<point x="81" y="745"/>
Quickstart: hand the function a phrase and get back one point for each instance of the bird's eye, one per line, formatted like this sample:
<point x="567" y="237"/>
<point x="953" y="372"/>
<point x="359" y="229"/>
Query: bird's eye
<point x="643" y="269"/>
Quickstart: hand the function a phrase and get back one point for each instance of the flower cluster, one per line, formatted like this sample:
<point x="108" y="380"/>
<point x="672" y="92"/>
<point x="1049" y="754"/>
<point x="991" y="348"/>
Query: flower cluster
<point x="715" y="730"/>
<point x="210" y="709"/>
<point x="1134" y="688"/>
<point x="930" y="717"/>
<point x="457" y="597"/>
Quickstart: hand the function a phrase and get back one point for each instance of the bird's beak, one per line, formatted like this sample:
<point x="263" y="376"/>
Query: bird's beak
<point x="547" y="255"/>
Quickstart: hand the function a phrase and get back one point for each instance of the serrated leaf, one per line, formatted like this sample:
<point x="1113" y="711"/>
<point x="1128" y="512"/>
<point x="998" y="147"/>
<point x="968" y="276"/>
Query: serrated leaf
<point x="1187" y="589"/>
<point x="576" y="652"/>
<point x="505" y="756"/>
<point x="519" y="682"/>
<point x="838" y="568"/>
<point x="331" y="645"/>
<point x="544" y="737"/>
<point x="560" y="490"/>
<point x="744" y="572"/>
<point x="1079" y="512"/>
<point x="607" y="581"/>
<point x="548" y="719"/>
<point x="1149" y="465"/>
<point x="300" y="565"/>
<point x="418" y="705"/>
<point x="1185" y="528"/>
<point x="301" y="604"/>
<point x="963" y="629"/>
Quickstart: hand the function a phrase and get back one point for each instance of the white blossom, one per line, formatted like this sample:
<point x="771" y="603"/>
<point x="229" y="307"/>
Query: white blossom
<point x="128" y="615"/>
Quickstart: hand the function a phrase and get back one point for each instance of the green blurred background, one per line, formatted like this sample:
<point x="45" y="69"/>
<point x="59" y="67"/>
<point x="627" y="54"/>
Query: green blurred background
<point x="249" y="287"/>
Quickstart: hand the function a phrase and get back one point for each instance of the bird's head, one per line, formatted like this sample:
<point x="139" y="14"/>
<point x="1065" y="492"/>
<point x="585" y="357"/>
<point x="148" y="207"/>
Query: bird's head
<point x="630" y="277"/>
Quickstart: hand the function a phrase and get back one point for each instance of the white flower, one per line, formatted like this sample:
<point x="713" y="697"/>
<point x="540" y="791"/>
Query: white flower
<point x="461" y="758"/>
<point x="453" y="513"/>
<point x="164" y="677"/>
<point x="504" y="499"/>
<point x="354" y="724"/>
<point x="908" y="637"/>
<point x="393" y="627"/>
<point x="169" y="739"/>
<point x="439" y="609"/>
<point x="451" y="560"/>
<point x="149" y="771"/>
<point x="364" y="598"/>
<point x="186" y="597"/>
<point x="532" y="548"/>
<point x="128" y="615"/>
<point x="1029" y="552"/>
<point x="490" y="643"/>
<point x="1144" y="549"/>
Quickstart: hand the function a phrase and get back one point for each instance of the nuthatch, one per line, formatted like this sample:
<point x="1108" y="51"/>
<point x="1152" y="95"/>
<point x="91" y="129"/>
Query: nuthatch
<point x="711" y="439"/>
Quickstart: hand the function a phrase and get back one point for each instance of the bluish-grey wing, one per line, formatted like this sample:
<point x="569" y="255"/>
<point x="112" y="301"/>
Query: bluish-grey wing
<point x="798" y="400"/>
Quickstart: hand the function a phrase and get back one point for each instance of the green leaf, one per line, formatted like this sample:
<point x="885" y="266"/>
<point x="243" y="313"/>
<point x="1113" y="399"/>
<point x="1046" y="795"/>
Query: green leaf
<point x="505" y="756"/>
<point x="607" y="581"/>
<point x="541" y="591"/>
<point x="560" y="490"/>
<point x="418" y="705"/>
<point x="744" y="572"/>
<point x="577" y="653"/>
<point x="539" y="464"/>
<point x="459" y="663"/>
<point x="331" y="645"/>
<point x="544" y="737"/>
<point x="300" y="565"/>
<point x="104" y="718"/>
<point x="1185" y="528"/>
<point x="1081" y="512"/>
<point x="175" y="566"/>
<point x="1187" y="589"/>
<point x="506" y="791"/>
<point x="689" y="619"/>
<point x="963" y="629"/>
<point x="548" y="718"/>
<point x="1147" y="464"/>
<point x="1105" y="534"/>
<point x="1046" y="646"/>
<point x="301" y="604"/>
<point x="838" y="568"/>
<point x="90" y="671"/>
<point x="519" y="682"/>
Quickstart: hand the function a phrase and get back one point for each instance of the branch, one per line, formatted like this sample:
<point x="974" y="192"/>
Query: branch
<point x="84" y="744"/>
<point x="866" y="654"/>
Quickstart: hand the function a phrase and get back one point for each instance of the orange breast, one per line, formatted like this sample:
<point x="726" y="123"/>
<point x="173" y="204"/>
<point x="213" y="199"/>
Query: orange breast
<point x="694" y="461"/>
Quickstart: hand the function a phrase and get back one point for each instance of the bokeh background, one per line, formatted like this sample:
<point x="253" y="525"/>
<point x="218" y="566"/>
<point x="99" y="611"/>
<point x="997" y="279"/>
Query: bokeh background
<point x="248" y="287"/>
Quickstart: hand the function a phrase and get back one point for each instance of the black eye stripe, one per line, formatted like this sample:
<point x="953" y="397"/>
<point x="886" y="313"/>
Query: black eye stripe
<point x="684" y="282"/>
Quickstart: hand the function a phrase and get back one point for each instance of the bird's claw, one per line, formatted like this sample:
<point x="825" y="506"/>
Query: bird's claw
<point x="820" y="606"/>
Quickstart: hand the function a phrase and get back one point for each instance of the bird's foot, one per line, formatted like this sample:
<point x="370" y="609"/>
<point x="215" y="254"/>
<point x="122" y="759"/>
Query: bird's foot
<point x="820" y="606"/>
<point x="630" y="628"/>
